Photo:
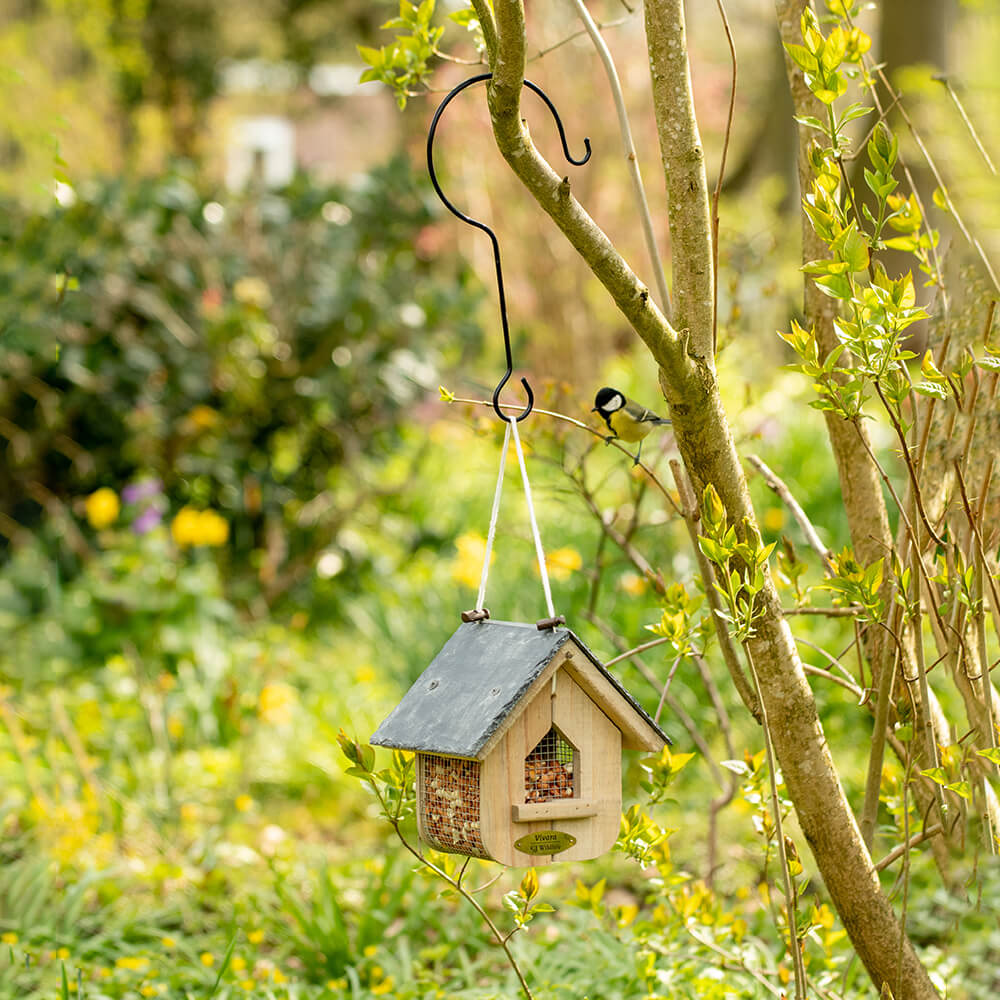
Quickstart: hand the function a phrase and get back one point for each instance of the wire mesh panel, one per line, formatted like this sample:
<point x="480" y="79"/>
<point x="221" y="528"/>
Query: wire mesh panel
<point x="449" y="804"/>
<point x="549" y="769"/>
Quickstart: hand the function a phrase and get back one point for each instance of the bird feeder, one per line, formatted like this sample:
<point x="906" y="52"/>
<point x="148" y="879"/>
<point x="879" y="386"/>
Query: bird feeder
<point x="518" y="731"/>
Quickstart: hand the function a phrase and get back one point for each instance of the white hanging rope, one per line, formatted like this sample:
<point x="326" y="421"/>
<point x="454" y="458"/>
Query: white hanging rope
<point x="491" y="534"/>
<point x="493" y="522"/>
<point x="543" y="571"/>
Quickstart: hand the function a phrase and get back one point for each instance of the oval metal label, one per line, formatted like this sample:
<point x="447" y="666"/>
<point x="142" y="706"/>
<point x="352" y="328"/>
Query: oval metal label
<point x="545" y="842"/>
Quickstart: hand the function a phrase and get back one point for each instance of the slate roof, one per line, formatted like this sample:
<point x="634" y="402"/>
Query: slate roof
<point x="474" y="683"/>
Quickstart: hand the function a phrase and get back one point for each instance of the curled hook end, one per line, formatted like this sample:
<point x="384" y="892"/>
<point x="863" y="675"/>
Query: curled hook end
<point x="586" y="155"/>
<point x="496" y="399"/>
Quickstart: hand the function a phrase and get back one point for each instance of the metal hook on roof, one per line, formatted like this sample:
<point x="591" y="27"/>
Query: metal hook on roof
<point x="489" y="232"/>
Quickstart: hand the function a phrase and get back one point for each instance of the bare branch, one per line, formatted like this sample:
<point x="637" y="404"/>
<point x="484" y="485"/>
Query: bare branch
<point x="795" y="509"/>
<point x="630" y="155"/>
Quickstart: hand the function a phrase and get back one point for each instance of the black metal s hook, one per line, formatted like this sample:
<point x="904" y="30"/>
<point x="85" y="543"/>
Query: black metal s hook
<point x="489" y="232"/>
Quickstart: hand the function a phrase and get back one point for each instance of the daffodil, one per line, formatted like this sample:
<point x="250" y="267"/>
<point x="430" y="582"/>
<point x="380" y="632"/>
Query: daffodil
<point x="563" y="563"/>
<point x="468" y="565"/>
<point x="102" y="507"/>
<point x="276" y="703"/>
<point x="192" y="527"/>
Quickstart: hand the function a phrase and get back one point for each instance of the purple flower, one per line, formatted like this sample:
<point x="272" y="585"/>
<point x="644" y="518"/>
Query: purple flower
<point x="147" y="520"/>
<point x="144" y="489"/>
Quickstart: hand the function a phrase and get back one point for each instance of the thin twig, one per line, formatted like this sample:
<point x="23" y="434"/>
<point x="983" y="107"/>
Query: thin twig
<point x="972" y="241"/>
<point x="852" y="612"/>
<point x="918" y="838"/>
<point x="943" y="79"/>
<point x="786" y="875"/>
<point x="631" y="159"/>
<point x="775" y="482"/>
<point x="591" y="430"/>
<point x="635" y="651"/>
<point x="722" y="173"/>
<point x="579" y="33"/>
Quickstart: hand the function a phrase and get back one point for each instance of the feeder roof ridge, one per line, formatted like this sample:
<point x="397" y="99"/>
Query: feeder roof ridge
<point x="474" y="684"/>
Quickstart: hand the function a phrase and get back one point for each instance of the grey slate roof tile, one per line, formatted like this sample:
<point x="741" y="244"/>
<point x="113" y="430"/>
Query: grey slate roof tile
<point x="473" y="684"/>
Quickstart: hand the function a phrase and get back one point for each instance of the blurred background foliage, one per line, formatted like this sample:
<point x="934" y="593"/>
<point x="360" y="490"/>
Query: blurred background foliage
<point x="235" y="515"/>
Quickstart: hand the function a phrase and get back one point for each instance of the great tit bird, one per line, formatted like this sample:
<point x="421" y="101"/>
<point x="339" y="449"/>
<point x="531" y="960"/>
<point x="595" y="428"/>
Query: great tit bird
<point x="625" y="420"/>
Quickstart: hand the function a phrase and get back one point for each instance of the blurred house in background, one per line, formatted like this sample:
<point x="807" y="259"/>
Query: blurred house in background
<point x="278" y="118"/>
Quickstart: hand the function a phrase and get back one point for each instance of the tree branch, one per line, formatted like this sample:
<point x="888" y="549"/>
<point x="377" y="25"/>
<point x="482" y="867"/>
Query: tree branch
<point x="553" y="195"/>
<point x="684" y="165"/>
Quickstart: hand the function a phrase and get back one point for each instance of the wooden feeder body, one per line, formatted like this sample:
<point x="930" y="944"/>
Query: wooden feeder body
<point x="533" y="777"/>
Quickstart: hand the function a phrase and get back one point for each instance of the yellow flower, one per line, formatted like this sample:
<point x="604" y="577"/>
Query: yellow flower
<point x="243" y="803"/>
<point x="199" y="527"/>
<point x="134" y="963"/>
<point x="468" y="565"/>
<point x="238" y="964"/>
<point x="168" y="942"/>
<point x="774" y="518"/>
<point x="62" y="953"/>
<point x="255" y="937"/>
<point x="633" y="584"/>
<point x="202" y="417"/>
<point x="370" y="951"/>
<point x="207" y="958"/>
<point x="562" y="563"/>
<point x="252" y="292"/>
<point x="8" y="937"/>
<point x="276" y="703"/>
<point x="386" y="986"/>
<point x="248" y="984"/>
<point x="189" y="812"/>
<point x="336" y="984"/>
<point x="279" y="977"/>
<point x="102" y="507"/>
<point x="149" y="990"/>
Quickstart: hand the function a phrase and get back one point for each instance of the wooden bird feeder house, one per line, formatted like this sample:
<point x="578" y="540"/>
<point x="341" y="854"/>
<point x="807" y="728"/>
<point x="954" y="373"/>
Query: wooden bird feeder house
<point x="518" y="732"/>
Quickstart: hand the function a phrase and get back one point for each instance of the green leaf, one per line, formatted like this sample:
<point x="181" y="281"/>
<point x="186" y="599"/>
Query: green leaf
<point x="802" y="57"/>
<point x="825" y="267"/>
<point x="837" y="286"/>
<point x="856" y="251"/>
<point x="907" y="243"/>
<point x="810" y="122"/>
<point x="222" y="968"/>
<point x="961" y="788"/>
<point x="855" y="111"/>
<point x="529" y="884"/>
<point x="991" y="363"/>
<point x="714" y="552"/>
<point x="447" y="396"/>
<point x="374" y="57"/>
<point x="937" y="774"/>
<point x="931" y="389"/>
<point x="992" y="754"/>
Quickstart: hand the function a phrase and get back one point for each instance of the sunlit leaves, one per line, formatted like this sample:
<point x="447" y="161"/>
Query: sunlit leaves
<point x="404" y="64"/>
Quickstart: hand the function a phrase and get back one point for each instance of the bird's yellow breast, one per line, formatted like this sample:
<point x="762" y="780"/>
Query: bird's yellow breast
<point x="627" y="428"/>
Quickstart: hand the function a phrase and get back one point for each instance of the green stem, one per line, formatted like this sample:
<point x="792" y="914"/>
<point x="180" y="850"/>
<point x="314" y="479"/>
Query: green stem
<point x="786" y="877"/>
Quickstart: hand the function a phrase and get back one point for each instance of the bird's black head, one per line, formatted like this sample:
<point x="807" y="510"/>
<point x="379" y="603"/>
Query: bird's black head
<point x="608" y="400"/>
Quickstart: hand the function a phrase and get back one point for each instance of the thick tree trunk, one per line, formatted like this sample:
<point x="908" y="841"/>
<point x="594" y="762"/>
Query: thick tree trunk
<point x="687" y="374"/>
